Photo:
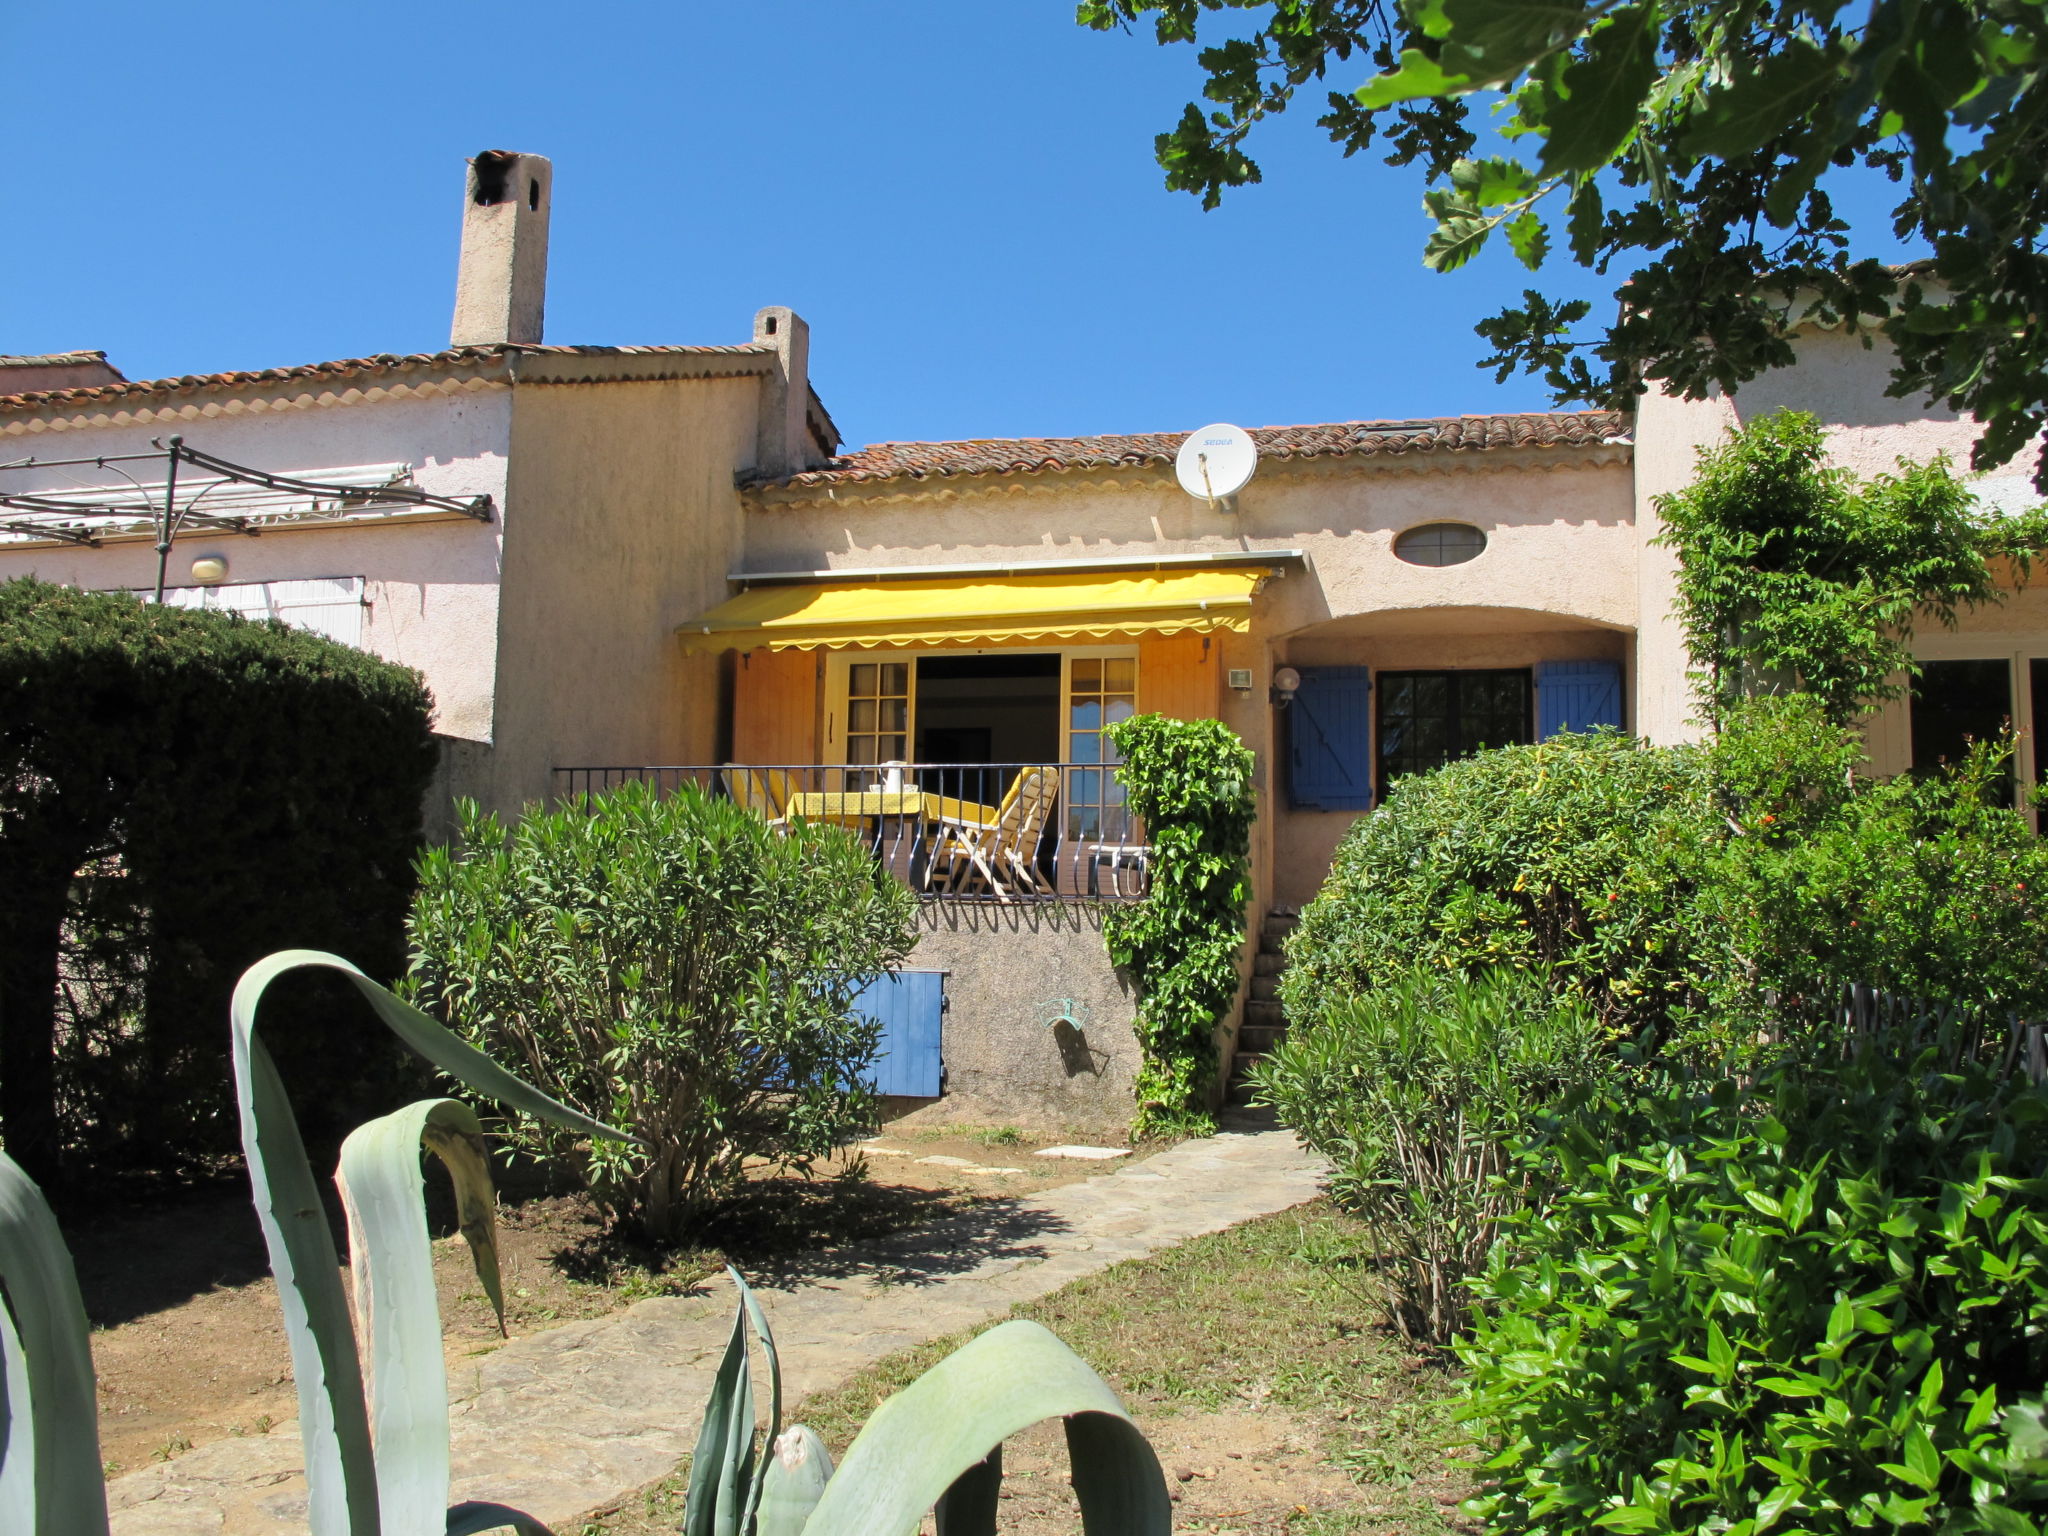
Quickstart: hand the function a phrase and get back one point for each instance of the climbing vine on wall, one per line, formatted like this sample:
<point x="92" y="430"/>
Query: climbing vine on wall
<point x="1796" y="575"/>
<point x="1190" y="782"/>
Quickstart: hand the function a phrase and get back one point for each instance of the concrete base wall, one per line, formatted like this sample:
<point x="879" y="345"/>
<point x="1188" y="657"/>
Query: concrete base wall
<point x="1014" y="969"/>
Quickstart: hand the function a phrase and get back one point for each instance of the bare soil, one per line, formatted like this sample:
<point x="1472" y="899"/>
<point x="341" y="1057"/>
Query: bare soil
<point x="189" y="1344"/>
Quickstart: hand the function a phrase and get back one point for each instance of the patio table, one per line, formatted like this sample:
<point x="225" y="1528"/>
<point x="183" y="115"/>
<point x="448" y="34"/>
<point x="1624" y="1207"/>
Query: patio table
<point x="850" y="807"/>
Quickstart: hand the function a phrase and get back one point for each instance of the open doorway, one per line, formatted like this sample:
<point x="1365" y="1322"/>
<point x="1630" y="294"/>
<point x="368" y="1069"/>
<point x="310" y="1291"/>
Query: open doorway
<point x="988" y="709"/>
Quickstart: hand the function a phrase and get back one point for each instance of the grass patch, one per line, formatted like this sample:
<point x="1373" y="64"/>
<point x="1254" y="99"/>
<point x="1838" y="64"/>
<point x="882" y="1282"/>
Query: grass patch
<point x="1276" y="1313"/>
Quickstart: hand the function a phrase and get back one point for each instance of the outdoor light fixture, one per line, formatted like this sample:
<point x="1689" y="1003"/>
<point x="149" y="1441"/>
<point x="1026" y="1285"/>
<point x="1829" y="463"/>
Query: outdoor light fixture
<point x="208" y="570"/>
<point x="1286" y="683"/>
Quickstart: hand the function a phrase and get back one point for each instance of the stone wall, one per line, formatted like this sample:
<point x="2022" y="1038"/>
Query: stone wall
<point x="1037" y="1029"/>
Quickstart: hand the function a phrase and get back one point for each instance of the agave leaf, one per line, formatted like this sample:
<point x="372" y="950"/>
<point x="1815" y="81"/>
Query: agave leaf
<point x="799" y="1466"/>
<point x="333" y="1419"/>
<point x="719" y="1471"/>
<point x="759" y="1320"/>
<point x="392" y="1260"/>
<point x="475" y="1517"/>
<point x="968" y="1508"/>
<point x="921" y="1440"/>
<point x="50" y="1478"/>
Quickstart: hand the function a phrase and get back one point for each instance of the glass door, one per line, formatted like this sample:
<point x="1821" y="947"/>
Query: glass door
<point x="1101" y="690"/>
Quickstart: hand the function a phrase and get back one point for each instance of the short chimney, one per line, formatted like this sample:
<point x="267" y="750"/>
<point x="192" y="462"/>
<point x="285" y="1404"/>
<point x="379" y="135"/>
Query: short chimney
<point x="501" y="285"/>
<point x="784" y="444"/>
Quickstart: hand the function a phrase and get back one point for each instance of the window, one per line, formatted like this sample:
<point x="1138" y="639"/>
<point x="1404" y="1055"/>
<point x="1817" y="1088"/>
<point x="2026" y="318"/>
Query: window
<point x="1426" y="719"/>
<point x="878" y="712"/>
<point x="1956" y="703"/>
<point x="1440" y="544"/>
<point x="1101" y="690"/>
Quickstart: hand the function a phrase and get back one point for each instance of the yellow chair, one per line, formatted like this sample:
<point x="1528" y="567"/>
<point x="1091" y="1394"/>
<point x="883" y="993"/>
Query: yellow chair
<point x="765" y="791"/>
<point x="996" y="846"/>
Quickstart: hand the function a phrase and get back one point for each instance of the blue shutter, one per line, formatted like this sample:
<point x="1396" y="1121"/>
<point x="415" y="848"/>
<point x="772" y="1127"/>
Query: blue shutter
<point x="1329" y="738"/>
<point x="908" y="1005"/>
<point x="1577" y="696"/>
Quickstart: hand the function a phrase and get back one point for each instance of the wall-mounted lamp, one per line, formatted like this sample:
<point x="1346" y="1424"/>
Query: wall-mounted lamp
<point x="1286" y="684"/>
<point x="209" y="570"/>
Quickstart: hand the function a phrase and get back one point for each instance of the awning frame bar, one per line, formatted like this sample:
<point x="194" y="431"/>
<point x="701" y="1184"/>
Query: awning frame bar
<point x="849" y="574"/>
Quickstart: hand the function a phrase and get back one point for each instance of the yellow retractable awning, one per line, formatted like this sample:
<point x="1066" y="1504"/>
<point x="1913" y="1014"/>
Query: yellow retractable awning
<point x="978" y="610"/>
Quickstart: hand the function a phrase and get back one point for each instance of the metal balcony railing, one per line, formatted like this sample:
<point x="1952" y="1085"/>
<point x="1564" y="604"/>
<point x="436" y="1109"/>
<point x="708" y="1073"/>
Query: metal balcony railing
<point x="1002" y="832"/>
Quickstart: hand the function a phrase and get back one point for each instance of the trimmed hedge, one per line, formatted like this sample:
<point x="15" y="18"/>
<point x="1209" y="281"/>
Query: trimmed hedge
<point x="182" y="793"/>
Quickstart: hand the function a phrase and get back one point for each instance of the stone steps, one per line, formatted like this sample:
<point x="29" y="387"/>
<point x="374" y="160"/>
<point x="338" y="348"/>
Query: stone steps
<point x="1264" y="1022"/>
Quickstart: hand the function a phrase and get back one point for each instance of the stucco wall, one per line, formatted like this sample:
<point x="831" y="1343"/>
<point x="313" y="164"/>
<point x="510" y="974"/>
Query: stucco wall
<point x="1305" y="840"/>
<point x="431" y="586"/>
<point x="1012" y="969"/>
<point x="623" y="522"/>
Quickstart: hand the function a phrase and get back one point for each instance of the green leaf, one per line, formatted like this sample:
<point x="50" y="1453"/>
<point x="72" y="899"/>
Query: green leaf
<point x="920" y="1441"/>
<point x="1416" y="77"/>
<point x="333" y="1418"/>
<point x="1599" y="95"/>
<point x="1759" y="104"/>
<point x="1529" y="238"/>
<point x="1456" y="241"/>
<point x="51" y="1482"/>
<point x="392" y="1257"/>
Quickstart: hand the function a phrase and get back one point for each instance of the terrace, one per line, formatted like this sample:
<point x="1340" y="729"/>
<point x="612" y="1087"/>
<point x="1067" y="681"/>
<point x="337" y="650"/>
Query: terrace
<point x="952" y="832"/>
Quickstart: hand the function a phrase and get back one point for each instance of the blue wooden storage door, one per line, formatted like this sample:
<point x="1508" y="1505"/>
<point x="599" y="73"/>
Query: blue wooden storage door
<point x="908" y="1005"/>
<point x="1329" y="739"/>
<point x="1577" y="696"/>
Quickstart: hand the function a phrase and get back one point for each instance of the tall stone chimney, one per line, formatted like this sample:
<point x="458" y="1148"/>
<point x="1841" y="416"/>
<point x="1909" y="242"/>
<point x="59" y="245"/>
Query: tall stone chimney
<point x="783" y="444"/>
<point x="501" y="284"/>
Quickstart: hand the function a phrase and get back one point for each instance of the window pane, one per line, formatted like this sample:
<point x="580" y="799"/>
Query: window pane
<point x="860" y="715"/>
<point x="1087" y="674"/>
<point x="860" y="679"/>
<point x="1956" y="703"/>
<point x="1119" y="709"/>
<point x="891" y="749"/>
<point x="1086" y="747"/>
<point x="896" y="678"/>
<point x="1120" y="674"/>
<point x="895" y="714"/>
<point x="1087" y="714"/>
<point x="860" y="749"/>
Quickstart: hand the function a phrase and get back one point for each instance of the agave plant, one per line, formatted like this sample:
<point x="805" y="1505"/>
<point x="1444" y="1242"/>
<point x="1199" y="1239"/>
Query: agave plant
<point x="377" y="1450"/>
<point x="937" y="1445"/>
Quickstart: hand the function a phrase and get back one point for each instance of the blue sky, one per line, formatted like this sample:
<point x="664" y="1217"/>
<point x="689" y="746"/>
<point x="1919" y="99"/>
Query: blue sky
<point x="960" y="198"/>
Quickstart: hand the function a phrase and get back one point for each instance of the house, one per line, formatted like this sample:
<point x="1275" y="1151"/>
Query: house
<point x="655" y="563"/>
<point x="526" y="523"/>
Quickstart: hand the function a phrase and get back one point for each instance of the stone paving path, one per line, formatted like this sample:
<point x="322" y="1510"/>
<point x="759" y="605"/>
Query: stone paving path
<point x="562" y="1422"/>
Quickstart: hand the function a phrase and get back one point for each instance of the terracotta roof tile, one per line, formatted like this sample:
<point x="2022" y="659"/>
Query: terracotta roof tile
<point x="348" y="367"/>
<point x="1041" y="455"/>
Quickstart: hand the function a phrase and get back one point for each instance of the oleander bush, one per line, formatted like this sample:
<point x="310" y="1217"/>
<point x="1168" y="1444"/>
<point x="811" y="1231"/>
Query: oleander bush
<point x="1417" y="1091"/>
<point x="670" y="964"/>
<point x="1819" y="1302"/>
<point x="1570" y="860"/>
<point x="182" y="792"/>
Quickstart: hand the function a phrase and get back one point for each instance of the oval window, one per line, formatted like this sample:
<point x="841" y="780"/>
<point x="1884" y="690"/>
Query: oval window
<point x="1440" y="544"/>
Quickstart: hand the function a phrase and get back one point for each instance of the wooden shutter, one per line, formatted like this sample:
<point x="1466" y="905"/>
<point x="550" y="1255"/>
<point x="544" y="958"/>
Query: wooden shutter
<point x="1329" y="737"/>
<point x="909" y="1005"/>
<point x="1578" y="696"/>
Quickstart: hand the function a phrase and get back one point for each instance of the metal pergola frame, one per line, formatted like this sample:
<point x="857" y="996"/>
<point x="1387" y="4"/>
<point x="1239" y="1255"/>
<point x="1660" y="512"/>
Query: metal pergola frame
<point x="66" y="518"/>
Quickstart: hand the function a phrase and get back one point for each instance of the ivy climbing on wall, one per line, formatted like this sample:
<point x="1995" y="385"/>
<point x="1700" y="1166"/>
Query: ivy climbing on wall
<point x="1190" y="782"/>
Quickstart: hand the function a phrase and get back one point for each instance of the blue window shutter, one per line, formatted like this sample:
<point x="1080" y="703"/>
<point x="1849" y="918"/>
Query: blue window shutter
<point x="1329" y="739"/>
<point x="1578" y="696"/>
<point x="908" y="1005"/>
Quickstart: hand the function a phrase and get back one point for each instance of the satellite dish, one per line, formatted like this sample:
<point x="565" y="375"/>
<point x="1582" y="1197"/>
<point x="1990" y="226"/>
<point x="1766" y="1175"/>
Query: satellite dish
<point x="1214" y="463"/>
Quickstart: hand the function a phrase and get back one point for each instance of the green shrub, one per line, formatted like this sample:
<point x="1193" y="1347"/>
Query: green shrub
<point x="1567" y="859"/>
<point x="1415" y="1091"/>
<point x="180" y="793"/>
<point x="1820" y="1305"/>
<point x="1920" y="885"/>
<point x="671" y="965"/>
<point x="1190" y="783"/>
